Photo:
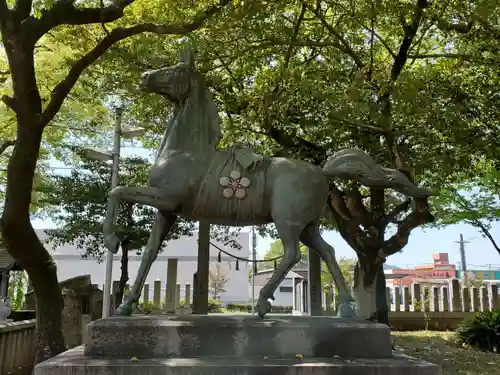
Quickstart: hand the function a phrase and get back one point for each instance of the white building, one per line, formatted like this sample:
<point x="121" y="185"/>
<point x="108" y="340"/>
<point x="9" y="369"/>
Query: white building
<point x="294" y="284"/>
<point x="70" y="264"/>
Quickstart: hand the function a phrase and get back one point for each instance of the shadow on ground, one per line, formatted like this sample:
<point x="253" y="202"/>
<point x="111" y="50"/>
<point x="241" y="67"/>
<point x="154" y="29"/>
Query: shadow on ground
<point x="439" y="348"/>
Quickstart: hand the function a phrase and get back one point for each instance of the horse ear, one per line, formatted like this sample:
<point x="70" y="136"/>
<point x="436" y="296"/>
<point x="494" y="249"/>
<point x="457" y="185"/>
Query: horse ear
<point x="187" y="56"/>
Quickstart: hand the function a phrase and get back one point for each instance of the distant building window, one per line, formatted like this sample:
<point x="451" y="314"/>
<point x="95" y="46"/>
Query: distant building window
<point x="286" y="289"/>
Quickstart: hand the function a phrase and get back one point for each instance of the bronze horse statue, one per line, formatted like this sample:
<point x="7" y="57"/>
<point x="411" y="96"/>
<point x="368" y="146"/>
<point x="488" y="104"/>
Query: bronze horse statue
<point x="236" y="187"/>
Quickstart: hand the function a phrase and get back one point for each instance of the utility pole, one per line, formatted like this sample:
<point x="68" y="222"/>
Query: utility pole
<point x="114" y="183"/>
<point x="254" y="258"/>
<point x="463" y="262"/>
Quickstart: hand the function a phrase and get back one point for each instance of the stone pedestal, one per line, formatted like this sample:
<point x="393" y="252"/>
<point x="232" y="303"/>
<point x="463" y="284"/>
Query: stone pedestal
<point x="226" y="344"/>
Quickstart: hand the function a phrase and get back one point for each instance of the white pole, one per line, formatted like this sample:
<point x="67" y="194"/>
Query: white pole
<point x="254" y="256"/>
<point x="114" y="183"/>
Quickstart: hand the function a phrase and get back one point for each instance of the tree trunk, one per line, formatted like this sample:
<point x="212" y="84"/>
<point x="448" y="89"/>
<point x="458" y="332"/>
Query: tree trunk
<point x="369" y="289"/>
<point x="25" y="247"/>
<point x="123" y="276"/>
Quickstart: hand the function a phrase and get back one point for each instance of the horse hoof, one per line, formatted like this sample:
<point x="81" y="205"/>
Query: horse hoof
<point x="112" y="243"/>
<point x="123" y="310"/>
<point x="263" y="309"/>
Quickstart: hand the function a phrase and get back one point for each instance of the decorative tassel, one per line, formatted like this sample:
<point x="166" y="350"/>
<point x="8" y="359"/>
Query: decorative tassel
<point x="275" y="265"/>
<point x="237" y="265"/>
<point x="255" y="268"/>
<point x="219" y="257"/>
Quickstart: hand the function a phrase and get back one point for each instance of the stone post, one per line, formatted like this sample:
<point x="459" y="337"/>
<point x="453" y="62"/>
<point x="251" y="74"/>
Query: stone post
<point x="494" y="297"/>
<point x="483" y="297"/>
<point x="200" y="298"/>
<point x="397" y="298"/>
<point x="426" y="299"/>
<point x="435" y="299"/>
<point x="177" y="296"/>
<point x="145" y="295"/>
<point x="71" y="319"/>
<point x="157" y="294"/>
<point x="171" y="284"/>
<point x="456" y="302"/>
<point x="416" y="297"/>
<point x="445" y="298"/>
<point x="114" y="291"/>
<point x="187" y="296"/>
<point x="475" y="299"/>
<point x="388" y="298"/>
<point x="315" y="287"/>
<point x="406" y="298"/>
<point x="328" y="299"/>
<point x="195" y="285"/>
<point x="294" y="295"/>
<point x="465" y="295"/>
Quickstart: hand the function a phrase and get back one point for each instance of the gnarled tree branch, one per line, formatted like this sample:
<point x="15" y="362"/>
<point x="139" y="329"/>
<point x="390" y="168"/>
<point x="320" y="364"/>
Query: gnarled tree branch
<point x="410" y="31"/>
<point x="65" y="13"/>
<point x="419" y="216"/>
<point x="475" y="221"/>
<point x="5" y="145"/>
<point x="63" y="88"/>
<point x="440" y="55"/>
<point x="355" y="205"/>
<point x="459" y="28"/>
<point x="343" y="44"/>
<point x="4" y="11"/>
<point x="399" y="209"/>
<point x="22" y="9"/>
<point x="9" y="102"/>
<point x="337" y="205"/>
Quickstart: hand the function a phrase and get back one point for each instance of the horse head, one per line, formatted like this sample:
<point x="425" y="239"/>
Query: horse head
<point x="173" y="82"/>
<point x="195" y="121"/>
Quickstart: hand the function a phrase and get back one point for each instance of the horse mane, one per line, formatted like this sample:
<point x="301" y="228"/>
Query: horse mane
<point x="195" y="123"/>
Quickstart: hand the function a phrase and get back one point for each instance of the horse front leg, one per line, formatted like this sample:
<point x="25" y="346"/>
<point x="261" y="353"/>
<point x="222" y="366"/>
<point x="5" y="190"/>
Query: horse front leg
<point x="161" y="226"/>
<point x="150" y="196"/>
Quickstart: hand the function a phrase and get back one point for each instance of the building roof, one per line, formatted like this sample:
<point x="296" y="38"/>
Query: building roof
<point x="6" y="261"/>
<point x="262" y="277"/>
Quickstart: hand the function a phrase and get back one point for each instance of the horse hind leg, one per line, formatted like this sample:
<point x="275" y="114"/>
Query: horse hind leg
<point x="311" y="237"/>
<point x="161" y="226"/>
<point x="289" y="235"/>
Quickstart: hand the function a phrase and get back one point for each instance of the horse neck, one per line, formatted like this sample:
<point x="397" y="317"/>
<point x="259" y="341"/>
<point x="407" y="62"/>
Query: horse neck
<point x="195" y="125"/>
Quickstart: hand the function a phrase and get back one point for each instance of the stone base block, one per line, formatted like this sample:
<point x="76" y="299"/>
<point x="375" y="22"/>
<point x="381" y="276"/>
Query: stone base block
<point x="73" y="362"/>
<point x="239" y="336"/>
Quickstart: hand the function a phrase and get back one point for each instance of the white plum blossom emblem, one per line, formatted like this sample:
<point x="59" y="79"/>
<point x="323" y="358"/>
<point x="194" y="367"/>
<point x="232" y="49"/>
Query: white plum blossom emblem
<point x="235" y="185"/>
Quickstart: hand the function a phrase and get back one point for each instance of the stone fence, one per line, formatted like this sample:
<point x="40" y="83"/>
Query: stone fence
<point x="436" y="307"/>
<point x="175" y="296"/>
<point x="17" y="345"/>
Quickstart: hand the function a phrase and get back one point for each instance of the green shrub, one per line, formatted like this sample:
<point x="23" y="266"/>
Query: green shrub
<point x="237" y="307"/>
<point x="481" y="331"/>
<point x="214" y="305"/>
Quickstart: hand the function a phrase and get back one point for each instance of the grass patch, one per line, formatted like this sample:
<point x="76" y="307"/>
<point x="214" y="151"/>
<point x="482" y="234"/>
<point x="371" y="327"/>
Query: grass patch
<point x="439" y="348"/>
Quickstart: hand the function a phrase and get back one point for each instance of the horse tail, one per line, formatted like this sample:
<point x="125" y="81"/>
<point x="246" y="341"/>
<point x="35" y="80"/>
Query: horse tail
<point x="355" y="164"/>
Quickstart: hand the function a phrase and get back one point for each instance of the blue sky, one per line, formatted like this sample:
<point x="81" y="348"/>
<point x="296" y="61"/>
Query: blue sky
<point x="422" y="244"/>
